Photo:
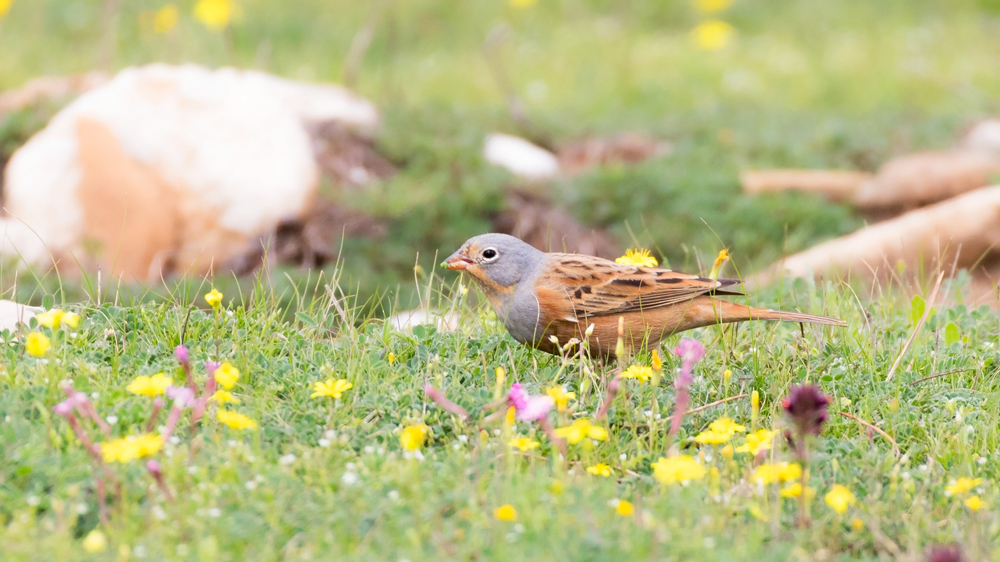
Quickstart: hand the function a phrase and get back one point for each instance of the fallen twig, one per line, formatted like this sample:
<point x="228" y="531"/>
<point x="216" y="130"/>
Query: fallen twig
<point x="918" y="381"/>
<point x="876" y="429"/>
<point x="716" y="403"/>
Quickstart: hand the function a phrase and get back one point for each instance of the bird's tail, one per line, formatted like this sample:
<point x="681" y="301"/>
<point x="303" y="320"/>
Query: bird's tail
<point x="732" y="312"/>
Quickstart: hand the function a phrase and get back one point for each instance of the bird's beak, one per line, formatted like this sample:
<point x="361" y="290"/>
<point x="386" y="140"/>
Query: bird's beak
<point x="458" y="261"/>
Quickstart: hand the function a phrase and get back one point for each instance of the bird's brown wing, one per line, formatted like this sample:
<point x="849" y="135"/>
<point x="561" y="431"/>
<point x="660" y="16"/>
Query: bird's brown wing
<point x="575" y="286"/>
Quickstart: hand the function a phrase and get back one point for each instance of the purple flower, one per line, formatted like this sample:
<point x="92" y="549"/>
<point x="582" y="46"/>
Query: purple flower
<point x="182" y="395"/>
<point x="64" y="408"/>
<point x="154" y="468"/>
<point x="211" y="366"/>
<point x="690" y="350"/>
<point x="182" y="354"/>
<point x="534" y="408"/>
<point x="945" y="553"/>
<point x="806" y="406"/>
<point x="518" y="397"/>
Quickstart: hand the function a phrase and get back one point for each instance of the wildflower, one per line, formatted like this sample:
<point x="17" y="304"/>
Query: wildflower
<point x="677" y="470"/>
<point x="215" y="15"/>
<point x="974" y="503"/>
<point x="727" y="451"/>
<point x="638" y="257"/>
<point x="150" y="386"/>
<point x="806" y="405"/>
<point x="390" y="357"/>
<point x="213" y="297"/>
<point x="625" y="508"/>
<point x="235" y="420"/>
<point x="50" y="318"/>
<point x="226" y="375"/>
<point x="757" y="441"/>
<point x="657" y="362"/>
<point x="182" y="354"/>
<point x="330" y="388"/>
<point x="638" y="372"/>
<point x="839" y="498"/>
<point x="726" y="425"/>
<point x="37" y="344"/>
<point x="224" y="397"/>
<point x="508" y="418"/>
<point x="963" y="485"/>
<point x="522" y="4"/>
<point x="727" y="376"/>
<point x="690" y="351"/>
<point x="795" y="490"/>
<point x="713" y="437"/>
<point x="5" y="7"/>
<point x="581" y="429"/>
<point x="722" y="258"/>
<point x="713" y="35"/>
<point x="165" y="19"/>
<point x="412" y="437"/>
<point x="857" y="524"/>
<point x="524" y="443"/>
<point x="710" y="6"/>
<point x="181" y="395"/>
<point x="945" y="553"/>
<point x="561" y="397"/>
<point x="600" y="469"/>
<point x="132" y="447"/>
<point x="769" y="473"/>
<point x="529" y="408"/>
<point x="505" y="512"/>
<point x="95" y="542"/>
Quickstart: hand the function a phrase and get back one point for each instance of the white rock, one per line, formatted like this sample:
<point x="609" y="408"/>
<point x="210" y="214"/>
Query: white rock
<point x="168" y="167"/>
<point x="985" y="135"/>
<point x="12" y="314"/>
<point x="520" y="157"/>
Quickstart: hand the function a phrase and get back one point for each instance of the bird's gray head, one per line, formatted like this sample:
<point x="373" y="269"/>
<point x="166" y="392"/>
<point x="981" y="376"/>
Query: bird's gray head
<point x="495" y="259"/>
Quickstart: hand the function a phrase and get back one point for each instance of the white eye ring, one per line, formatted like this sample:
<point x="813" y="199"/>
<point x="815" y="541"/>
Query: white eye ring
<point x="494" y="257"/>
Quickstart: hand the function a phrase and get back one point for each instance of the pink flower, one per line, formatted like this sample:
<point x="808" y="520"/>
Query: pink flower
<point x="529" y="408"/>
<point x="64" y="408"/>
<point x="211" y="366"/>
<point x="182" y="395"/>
<point x="518" y="397"/>
<point x="690" y="350"/>
<point x="182" y="354"/>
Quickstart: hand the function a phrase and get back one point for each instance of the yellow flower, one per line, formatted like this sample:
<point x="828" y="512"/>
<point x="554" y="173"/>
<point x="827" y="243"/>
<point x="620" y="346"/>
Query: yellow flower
<point x="331" y="388"/>
<point x="722" y="258"/>
<point x="769" y="473"/>
<point x="213" y="298"/>
<point x="580" y="429"/>
<point x="657" y="363"/>
<point x="412" y="437"/>
<point x="391" y="357"/>
<point x="505" y="512"/>
<point x="713" y="437"/>
<point x="95" y="542"/>
<point x="508" y="418"/>
<point x="638" y="372"/>
<point x="224" y="397"/>
<point x="713" y="35"/>
<point x="795" y="490"/>
<point x="50" y="318"/>
<point x="165" y="19"/>
<point x="226" y="375"/>
<point x="5" y="7"/>
<point x="637" y="257"/>
<point x="710" y="6"/>
<point x="963" y="485"/>
<point x="150" y="386"/>
<point x="726" y="425"/>
<point x="677" y="470"/>
<point x="839" y="498"/>
<point x="560" y="396"/>
<point x="37" y="344"/>
<point x="600" y="469"/>
<point x="215" y="14"/>
<point x="522" y="4"/>
<point x="235" y="420"/>
<point x="625" y="508"/>
<point x="757" y="441"/>
<point x="71" y="319"/>
<point x="524" y="443"/>
<point x="974" y="503"/>
<point x="727" y="451"/>
<point x="132" y="447"/>
<point x="857" y="524"/>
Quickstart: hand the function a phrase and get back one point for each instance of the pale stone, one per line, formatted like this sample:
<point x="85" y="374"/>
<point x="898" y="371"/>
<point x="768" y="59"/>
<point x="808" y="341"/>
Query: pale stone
<point x="520" y="157"/>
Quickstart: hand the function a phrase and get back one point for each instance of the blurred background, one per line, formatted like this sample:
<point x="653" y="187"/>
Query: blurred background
<point x="652" y="108"/>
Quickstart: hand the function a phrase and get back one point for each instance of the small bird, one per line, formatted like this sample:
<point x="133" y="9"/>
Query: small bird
<point x="538" y="295"/>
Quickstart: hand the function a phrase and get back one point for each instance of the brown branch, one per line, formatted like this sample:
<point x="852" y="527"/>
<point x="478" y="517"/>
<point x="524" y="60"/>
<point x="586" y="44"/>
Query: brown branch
<point x="716" y="403"/>
<point x="876" y="429"/>
<point x="938" y="375"/>
<point x="916" y="329"/>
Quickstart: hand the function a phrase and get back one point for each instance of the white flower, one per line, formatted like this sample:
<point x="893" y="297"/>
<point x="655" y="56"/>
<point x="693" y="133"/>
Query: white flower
<point x="393" y="495"/>
<point x="349" y="478"/>
<point x="214" y="512"/>
<point x="287" y="459"/>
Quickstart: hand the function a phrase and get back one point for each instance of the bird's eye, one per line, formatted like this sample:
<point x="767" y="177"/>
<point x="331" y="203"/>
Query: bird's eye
<point x="490" y="254"/>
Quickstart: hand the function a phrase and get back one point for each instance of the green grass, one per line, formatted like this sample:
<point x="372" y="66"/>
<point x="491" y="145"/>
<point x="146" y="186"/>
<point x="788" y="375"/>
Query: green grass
<point x="353" y="495"/>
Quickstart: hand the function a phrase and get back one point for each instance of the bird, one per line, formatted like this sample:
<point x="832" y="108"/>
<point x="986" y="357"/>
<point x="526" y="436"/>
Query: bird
<point x="546" y="299"/>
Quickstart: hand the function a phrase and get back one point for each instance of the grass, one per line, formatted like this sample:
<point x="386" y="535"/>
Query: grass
<point x="806" y="84"/>
<point x="326" y="479"/>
